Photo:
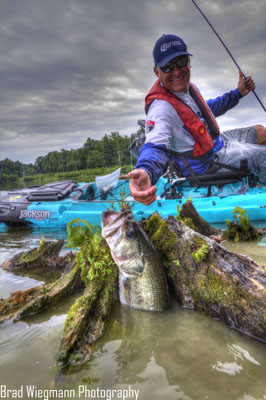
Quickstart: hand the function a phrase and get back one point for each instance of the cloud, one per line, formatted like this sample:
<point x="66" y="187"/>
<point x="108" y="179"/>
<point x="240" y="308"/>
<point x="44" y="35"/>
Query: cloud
<point x="77" y="68"/>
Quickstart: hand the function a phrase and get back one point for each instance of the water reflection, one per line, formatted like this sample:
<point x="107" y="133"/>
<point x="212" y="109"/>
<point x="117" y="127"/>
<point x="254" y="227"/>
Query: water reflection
<point x="177" y="354"/>
<point x="197" y="355"/>
<point x="11" y="283"/>
<point x="141" y="331"/>
<point x="255" y="249"/>
<point x="27" y="353"/>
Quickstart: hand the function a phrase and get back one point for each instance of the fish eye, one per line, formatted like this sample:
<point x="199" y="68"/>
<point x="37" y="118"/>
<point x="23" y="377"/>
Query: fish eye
<point x="131" y="233"/>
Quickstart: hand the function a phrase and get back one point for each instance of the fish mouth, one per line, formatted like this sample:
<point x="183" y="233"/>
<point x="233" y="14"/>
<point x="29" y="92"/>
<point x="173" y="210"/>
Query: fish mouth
<point x="108" y="217"/>
<point x="112" y="221"/>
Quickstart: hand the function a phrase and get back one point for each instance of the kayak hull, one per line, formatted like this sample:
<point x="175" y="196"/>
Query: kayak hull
<point x="26" y="207"/>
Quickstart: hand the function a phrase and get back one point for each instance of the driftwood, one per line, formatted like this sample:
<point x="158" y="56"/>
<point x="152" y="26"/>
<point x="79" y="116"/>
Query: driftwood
<point x="86" y="318"/>
<point x="209" y="278"/>
<point x="45" y="256"/>
<point x="189" y="214"/>
<point x="30" y="301"/>
<point x="85" y="322"/>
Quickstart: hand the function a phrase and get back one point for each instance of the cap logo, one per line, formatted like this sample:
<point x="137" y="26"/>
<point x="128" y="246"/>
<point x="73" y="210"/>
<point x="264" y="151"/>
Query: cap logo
<point x="165" y="46"/>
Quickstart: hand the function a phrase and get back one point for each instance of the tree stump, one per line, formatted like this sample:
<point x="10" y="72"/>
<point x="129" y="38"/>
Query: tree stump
<point x="209" y="278"/>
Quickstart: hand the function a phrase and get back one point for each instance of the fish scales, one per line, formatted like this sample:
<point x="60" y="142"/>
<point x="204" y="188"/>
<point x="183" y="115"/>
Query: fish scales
<point x="142" y="280"/>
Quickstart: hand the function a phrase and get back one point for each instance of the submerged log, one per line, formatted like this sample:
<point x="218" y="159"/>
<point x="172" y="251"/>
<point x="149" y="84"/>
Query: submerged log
<point x="85" y="323"/>
<point x="86" y="319"/>
<point x="26" y="302"/>
<point x="44" y="256"/>
<point x="209" y="278"/>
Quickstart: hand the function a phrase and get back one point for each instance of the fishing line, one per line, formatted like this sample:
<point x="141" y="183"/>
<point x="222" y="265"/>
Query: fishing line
<point x="228" y="51"/>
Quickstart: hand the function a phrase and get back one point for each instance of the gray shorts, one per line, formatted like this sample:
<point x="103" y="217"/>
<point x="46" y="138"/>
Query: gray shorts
<point x="242" y="135"/>
<point x="241" y="144"/>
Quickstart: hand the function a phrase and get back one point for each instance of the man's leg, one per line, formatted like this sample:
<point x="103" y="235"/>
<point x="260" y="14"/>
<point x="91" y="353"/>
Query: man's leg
<point x="252" y="134"/>
<point x="261" y="132"/>
<point x="234" y="152"/>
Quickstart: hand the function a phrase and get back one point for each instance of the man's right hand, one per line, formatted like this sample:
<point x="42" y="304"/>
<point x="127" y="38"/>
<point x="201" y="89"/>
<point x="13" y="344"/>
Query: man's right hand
<point x="245" y="85"/>
<point x="140" y="186"/>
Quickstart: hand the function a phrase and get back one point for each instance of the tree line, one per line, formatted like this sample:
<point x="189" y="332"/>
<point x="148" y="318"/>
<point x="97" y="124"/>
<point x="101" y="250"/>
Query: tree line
<point x="109" y="151"/>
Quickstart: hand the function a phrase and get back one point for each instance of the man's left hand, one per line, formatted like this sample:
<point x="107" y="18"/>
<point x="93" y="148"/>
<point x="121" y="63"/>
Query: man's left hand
<point x="245" y="85"/>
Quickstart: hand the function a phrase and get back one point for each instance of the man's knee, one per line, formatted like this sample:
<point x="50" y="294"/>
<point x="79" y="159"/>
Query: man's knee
<point x="261" y="132"/>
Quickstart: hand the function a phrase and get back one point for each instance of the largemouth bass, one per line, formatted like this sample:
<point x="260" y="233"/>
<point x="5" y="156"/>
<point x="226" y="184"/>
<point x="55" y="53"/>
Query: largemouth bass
<point x="142" y="280"/>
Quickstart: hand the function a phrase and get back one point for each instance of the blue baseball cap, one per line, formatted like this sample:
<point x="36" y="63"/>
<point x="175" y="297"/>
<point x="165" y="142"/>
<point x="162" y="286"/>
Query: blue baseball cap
<point x="168" y="47"/>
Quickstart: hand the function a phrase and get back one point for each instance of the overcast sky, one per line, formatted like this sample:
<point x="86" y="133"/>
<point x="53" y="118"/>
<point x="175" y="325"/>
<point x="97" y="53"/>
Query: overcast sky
<point x="73" y="69"/>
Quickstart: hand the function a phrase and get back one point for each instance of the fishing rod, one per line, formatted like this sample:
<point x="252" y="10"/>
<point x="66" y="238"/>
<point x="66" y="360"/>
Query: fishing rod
<point x="228" y="51"/>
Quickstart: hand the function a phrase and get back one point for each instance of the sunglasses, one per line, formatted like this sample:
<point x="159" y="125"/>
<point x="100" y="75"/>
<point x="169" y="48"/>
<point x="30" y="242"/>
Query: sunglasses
<point x="180" y="62"/>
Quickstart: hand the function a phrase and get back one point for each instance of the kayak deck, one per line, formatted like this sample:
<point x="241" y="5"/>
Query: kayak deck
<point x="85" y="202"/>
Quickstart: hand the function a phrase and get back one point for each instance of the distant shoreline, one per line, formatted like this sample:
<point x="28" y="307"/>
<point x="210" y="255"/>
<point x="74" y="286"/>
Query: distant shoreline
<point x="85" y="175"/>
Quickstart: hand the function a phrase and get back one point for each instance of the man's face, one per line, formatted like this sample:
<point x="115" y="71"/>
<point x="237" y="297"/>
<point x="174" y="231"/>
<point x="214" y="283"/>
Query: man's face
<point x="177" y="80"/>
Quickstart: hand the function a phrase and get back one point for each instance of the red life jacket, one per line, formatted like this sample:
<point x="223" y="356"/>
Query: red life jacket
<point x="197" y="129"/>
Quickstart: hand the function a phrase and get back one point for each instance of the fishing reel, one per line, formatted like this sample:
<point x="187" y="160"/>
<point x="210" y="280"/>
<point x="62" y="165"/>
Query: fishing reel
<point x="170" y="192"/>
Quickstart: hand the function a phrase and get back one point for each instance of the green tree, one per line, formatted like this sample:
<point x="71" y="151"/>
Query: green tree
<point x="109" y="151"/>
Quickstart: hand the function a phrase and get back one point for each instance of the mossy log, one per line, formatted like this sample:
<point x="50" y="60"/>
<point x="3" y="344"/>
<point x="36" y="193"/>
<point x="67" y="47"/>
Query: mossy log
<point x="26" y="302"/>
<point x="209" y="278"/>
<point x="44" y="256"/>
<point x="86" y="321"/>
<point x="190" y="216"/>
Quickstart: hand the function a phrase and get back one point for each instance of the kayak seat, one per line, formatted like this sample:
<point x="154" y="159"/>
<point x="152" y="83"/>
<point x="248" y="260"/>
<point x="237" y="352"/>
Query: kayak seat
<point x="84" y="193"/>
<point x="213" y="176"/>
<point x="90" y="192"/>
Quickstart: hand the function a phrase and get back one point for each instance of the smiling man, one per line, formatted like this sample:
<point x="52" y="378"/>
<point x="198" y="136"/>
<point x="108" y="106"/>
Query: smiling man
<point x="182" y="125"/>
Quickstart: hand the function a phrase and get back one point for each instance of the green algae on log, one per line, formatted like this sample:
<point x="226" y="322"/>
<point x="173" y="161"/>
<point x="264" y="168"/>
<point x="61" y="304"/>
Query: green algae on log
<point x="222" y="284"/>
<point x="85" y="322"/>
<point x="86" y="319"/>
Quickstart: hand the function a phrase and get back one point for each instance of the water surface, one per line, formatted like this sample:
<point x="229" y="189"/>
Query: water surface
<point x="177" y="354"/>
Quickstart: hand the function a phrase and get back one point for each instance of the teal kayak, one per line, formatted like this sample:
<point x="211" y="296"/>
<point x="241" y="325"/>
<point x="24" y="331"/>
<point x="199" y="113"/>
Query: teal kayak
<point x="56" y="204"/>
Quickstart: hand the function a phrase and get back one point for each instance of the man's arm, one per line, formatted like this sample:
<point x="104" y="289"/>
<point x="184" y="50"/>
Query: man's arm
<point x="151" y="164"/>
<point x="222" y="104"/>
<point x="153" y="159"/>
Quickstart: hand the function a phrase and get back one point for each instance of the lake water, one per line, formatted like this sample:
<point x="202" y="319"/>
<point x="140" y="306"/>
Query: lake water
<point x="173" y="355"/>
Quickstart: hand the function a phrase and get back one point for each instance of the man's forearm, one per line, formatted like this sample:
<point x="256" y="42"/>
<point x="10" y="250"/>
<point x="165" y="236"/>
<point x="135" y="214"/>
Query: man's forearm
<point x="153" y="159"/>
<point x="222" y="104"/>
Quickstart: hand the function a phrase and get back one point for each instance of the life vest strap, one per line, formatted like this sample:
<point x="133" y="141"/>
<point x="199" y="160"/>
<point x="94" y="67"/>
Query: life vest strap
<point x="213" y="128"/>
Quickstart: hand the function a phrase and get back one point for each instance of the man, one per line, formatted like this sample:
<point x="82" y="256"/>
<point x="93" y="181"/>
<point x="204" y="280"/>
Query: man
<point x="181" y="122"/>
